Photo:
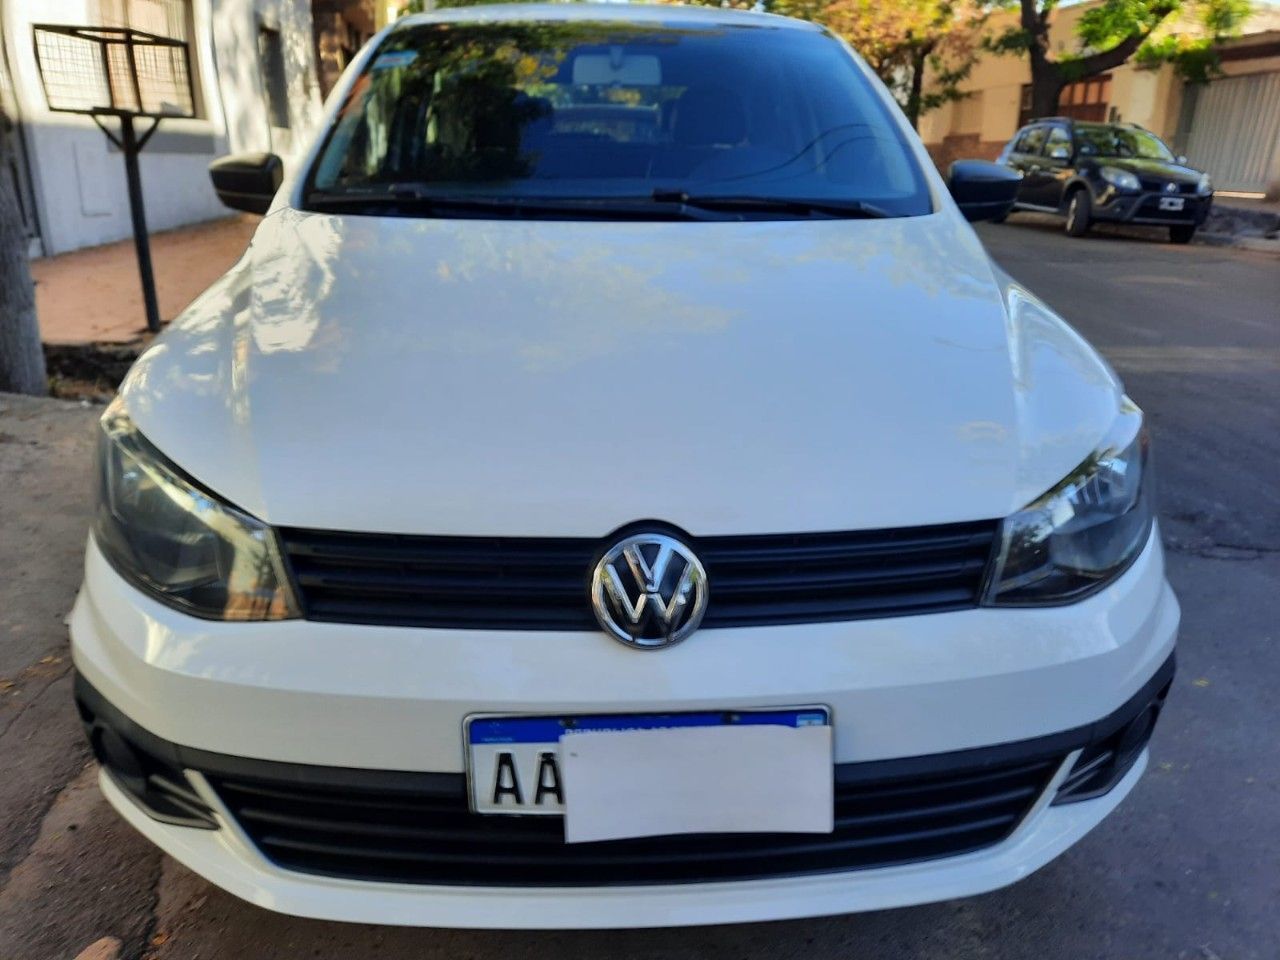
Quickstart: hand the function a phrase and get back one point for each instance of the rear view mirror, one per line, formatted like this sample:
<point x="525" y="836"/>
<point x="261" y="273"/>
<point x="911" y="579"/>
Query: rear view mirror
<point x="983" y="190"/>
<point x="632" y="69"/>
<point x="247" y="181"/>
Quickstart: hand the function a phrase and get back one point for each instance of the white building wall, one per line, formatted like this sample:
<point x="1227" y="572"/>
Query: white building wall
<point x="78" y="176"/>
<point x="242" y="86"/>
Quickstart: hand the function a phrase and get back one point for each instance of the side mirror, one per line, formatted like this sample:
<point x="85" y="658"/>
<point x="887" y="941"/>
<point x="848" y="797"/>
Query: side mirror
<point x="1060" y="154"/>
<point x="247" y="181"/>
<point x="1182" y="159"/>
<point x="983" y="190"/>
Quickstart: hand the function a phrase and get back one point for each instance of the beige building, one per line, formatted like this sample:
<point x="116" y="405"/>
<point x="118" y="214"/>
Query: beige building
<point x="1230" y="126"/>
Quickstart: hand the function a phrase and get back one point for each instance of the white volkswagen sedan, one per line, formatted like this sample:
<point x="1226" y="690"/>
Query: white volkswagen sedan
<point x="617" y="489"/>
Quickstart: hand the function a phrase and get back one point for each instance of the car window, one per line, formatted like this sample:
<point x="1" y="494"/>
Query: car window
<point x="1104" y="140"/>
<point x="1058" y="138"/>
<point x="597" y="110"/>
<point x="1033" y="140"/>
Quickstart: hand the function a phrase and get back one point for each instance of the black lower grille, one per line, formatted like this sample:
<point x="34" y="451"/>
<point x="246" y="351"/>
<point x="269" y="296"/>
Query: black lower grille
<point x="1149" y="209"/>
<point x="542" y="584"/>
<point x="416" y="828"/>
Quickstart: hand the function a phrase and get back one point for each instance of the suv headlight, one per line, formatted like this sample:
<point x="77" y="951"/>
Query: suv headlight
<point x="1120" y="179"/>
<point x="1085" y="531"/>
<point x="178" y="542"/>
<point x="1205" y="187"/>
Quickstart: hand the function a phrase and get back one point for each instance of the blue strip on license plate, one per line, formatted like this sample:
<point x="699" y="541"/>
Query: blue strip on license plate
<point x="496" y="730"/>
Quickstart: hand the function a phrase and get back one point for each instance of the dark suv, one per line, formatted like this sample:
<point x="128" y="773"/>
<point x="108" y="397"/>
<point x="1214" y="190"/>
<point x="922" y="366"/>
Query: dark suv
<point x="1114" y="172"/>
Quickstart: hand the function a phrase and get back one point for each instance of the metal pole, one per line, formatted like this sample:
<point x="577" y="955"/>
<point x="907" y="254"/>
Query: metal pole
<point x="130" y="148"/>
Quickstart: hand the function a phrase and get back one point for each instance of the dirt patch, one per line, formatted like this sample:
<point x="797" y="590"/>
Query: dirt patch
<point x="1228" y="221"/>
<point x="89" y="371"/>
<point x="46" y="498"/>
<point x="89" y="875"/>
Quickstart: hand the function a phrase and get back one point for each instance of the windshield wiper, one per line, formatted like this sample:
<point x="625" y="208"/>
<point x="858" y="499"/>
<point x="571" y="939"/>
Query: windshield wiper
<point x="851" y="209"/>
<point x="409" y="201"/>
<point x="416" y="201"/>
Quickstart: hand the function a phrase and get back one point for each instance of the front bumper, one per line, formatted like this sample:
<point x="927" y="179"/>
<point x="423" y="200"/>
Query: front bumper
<point x="351" y="699"/>
<point x="228" y="860"/>
<point x="1144" y="209"/>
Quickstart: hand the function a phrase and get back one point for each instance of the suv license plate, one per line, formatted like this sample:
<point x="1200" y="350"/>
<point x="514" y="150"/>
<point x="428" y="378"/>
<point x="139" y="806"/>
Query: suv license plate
<point x="1171" y="203"/>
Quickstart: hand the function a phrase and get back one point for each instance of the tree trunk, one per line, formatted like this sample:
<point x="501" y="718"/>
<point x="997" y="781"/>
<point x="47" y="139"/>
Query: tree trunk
<point x="21" y="355"/>
<point x="1046" y="78"/>
<point x="1046" y="87"/>
<point x="912" y="109"/>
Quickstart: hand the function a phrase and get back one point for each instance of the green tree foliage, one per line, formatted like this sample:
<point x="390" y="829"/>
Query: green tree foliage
<point x="1195" y="55"/>
<point x="1115" y="31"/>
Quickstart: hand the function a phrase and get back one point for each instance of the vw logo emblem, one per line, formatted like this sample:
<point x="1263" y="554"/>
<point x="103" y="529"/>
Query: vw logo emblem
<point x="649" y="591"/>
<point x="1171" y="187"/>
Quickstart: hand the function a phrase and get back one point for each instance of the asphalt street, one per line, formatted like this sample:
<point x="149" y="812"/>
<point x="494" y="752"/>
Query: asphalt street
<point x="1187" y="869"/>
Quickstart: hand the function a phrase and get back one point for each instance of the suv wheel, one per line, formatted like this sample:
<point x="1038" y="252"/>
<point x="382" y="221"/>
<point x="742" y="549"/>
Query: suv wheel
<point x="1182" y="233"/>
<point x="1079" y="210"/>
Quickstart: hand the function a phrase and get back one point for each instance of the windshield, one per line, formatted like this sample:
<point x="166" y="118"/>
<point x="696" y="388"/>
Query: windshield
<point x="609" y="114"/>
<point x="1103" y="141"/>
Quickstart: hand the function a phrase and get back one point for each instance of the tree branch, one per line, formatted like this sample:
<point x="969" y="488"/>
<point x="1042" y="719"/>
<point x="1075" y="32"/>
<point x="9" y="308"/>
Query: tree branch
<point x="1105" y="60"/>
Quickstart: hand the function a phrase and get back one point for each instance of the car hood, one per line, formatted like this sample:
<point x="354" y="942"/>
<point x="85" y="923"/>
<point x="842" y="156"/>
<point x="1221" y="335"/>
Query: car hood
<point x="567" y="378"/>
<point x="1152" y="169"/>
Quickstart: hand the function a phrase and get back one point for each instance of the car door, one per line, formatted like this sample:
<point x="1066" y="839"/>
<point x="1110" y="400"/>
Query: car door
<point x="1026" y="159"/>
<point x="1037" y="172"/>
<point x="1053" y="168"/>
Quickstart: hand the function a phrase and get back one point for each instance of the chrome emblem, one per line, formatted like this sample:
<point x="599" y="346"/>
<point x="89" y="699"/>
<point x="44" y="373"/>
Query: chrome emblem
<point x="649" y="591"/>
<point x="1171" y="187"/>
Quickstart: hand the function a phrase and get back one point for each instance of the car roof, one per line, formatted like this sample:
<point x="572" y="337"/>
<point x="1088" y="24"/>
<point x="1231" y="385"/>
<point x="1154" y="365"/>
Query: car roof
<point x="620" y="12"/>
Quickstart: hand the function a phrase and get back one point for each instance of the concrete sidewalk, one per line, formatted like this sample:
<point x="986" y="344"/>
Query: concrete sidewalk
<point x="95" y="295"/>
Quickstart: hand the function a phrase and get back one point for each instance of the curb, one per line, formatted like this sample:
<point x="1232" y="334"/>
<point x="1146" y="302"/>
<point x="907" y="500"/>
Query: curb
<point x="1236" y="242"/>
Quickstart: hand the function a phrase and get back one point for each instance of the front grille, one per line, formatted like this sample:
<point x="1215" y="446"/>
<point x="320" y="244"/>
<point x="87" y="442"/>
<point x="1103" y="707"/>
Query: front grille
<point x="1160" y="185"/>
<point x="542" y="583"/>
<point x="416" y="828"/>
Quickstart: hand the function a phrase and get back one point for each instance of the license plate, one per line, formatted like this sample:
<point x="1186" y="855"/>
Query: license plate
<point x="1171" y="203"/>
<point x="515" y="764"/>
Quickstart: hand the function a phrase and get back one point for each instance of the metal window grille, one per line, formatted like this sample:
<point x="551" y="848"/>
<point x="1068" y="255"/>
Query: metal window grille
<point x="114" y="70"/>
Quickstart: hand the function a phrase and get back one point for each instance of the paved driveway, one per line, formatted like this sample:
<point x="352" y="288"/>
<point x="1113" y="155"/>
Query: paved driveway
<point x="1189" y="867"/>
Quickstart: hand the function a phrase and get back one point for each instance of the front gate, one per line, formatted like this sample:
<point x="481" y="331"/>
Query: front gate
<point x="1234" y="131"/>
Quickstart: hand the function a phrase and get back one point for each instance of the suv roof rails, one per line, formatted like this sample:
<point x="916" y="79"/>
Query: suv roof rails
<point x="1071" y="122"/>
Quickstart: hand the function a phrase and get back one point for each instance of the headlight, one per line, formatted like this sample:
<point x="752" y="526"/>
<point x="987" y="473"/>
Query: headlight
<point x="1120" y="179"/>
<point x="1085" y="531"/>
<point x="1204" y="188"/>
<point x="177" y="542"/>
